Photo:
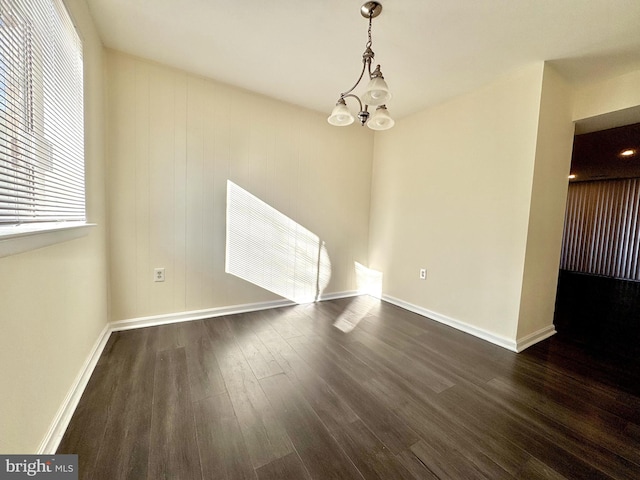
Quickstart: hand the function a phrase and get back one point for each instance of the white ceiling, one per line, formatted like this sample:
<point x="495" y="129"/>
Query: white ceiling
<point x="307" y="52"/>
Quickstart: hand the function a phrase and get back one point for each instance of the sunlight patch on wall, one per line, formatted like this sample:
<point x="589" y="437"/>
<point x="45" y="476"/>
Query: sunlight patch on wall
<point x="369" y="282"/>
<point x="270" y="250"/>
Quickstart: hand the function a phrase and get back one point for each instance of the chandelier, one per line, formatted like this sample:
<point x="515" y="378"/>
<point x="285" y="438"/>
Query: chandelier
<point x="376" y="93"/>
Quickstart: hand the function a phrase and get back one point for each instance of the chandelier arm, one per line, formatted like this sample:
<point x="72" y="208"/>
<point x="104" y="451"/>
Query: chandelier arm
<point x="352" y="96"/>
<point x="365" y="62"/>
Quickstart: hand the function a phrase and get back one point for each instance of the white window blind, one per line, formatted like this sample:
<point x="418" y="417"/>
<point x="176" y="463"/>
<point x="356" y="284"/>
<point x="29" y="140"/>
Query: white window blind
<point x="41" y="114"/>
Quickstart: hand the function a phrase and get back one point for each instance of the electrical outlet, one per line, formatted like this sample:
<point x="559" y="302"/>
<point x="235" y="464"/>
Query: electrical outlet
<point x="158" y="274"/>
<point x="423" y="274"/>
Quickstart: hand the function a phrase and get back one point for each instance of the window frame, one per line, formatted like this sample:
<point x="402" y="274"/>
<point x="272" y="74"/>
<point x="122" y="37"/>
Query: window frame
<point x="21" y="237"/>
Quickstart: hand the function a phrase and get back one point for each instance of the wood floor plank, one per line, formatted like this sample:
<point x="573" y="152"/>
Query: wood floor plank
<point x="583" y="423"/>
<point x="219" y="332"/>
<point x="205" y="377"/>
<point x="414" y="465"/>
<point x="221" y="446"/>
<point x="129" y="412"/>
<point x="173" y="449"/>
<point x="479" y="411"/>
<point x="574" y="396"/>
<point x="85" y="433"/>
<point x="327" y="404"/>
<point x="376" y="414"/>
<point x="534" y="468"/>
<point x="368" y="453"/>
<point x="420" y="407"/>
<point x="399" y="396"/>
<point x="587" y="448"/>
<point x="389" y="354"/>
<point x="257" y="355"/>
<point x="559" y="380"/>
<point x="415" y="373"/>
<point x="164" y="337"/>
<point x="321" y="455"/>
<point x="443" y="357"/>
<point x="191" y="332"/>
<point x="435" y="422"/>
<point x="285" y="322"/>
<point x="402" y="336"/>
<point x="322" y="320"/>
<point x="264" y="434"/>
<point x="375" y="377"/>
<point x="632" y="430"/>
<point x="445" y="462"/>
<point x="289" y="467"/>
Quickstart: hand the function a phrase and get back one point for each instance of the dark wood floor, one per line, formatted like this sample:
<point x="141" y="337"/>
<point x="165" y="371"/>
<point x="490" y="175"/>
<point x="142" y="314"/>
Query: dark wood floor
<point x="283" y="394"/>
<point x="601" y="317"/>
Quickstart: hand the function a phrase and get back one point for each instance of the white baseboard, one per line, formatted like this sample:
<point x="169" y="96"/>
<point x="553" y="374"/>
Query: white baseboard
<point x="52" y="439"/>
<point x="499" y="340"/>
<point x="535" y="337"/>
<point x="178" y="317"/>
<point x="164" y="319"/>
<point x="337" y="295"/>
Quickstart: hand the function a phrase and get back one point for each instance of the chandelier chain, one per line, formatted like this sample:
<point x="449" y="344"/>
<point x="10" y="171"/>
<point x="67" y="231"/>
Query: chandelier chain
<point x="369" y="43"/>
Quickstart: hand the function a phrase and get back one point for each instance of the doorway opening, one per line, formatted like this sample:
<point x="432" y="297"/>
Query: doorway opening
<point x="598" y="298"/>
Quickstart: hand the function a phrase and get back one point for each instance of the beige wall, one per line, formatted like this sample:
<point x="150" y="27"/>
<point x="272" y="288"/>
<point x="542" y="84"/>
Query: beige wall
<point x="451" y="193"/>
<point x="548" y="200"/>
<point x="174" y="140"/>
<point x="54" y="300"/>
<point x="604" y="97"/>
<point x="474" y="190"/>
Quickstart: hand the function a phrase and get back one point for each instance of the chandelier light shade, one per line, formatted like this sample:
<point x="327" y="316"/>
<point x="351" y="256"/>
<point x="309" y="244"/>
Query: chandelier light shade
<point x="341" y="116"/>
<point x="376" y="93"/>
<point x="380" y="120"/>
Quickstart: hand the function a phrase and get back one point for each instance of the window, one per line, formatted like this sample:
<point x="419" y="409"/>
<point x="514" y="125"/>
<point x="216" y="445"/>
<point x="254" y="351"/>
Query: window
<point x="41" y="114"/>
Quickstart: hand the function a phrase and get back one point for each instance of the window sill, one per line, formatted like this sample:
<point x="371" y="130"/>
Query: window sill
<point x="23" y="238"/>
